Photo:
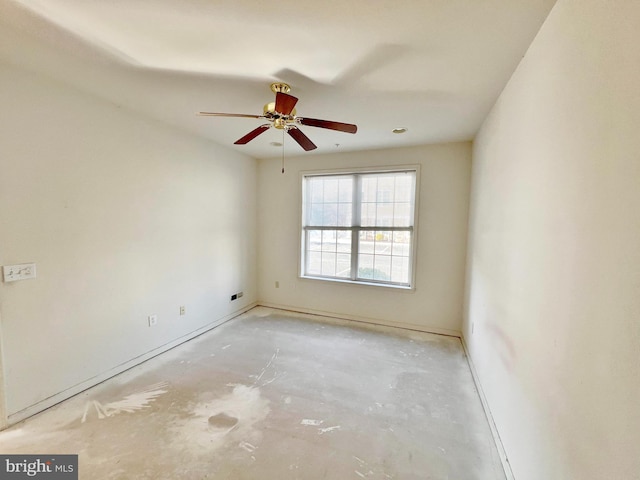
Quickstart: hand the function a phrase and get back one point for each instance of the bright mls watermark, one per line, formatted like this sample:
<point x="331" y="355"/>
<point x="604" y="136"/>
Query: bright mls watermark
<point x="50" y="467"/>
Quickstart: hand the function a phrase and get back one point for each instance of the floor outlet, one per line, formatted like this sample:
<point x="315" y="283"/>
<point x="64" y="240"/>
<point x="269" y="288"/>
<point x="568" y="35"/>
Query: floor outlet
<point x="153" y="320"/>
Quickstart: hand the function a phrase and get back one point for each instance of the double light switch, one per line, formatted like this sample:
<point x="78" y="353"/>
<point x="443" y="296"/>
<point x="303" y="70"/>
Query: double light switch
<point x="19" y="272"/>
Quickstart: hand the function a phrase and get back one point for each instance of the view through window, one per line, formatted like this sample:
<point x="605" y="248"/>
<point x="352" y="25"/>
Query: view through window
<point x="359" y="227"/>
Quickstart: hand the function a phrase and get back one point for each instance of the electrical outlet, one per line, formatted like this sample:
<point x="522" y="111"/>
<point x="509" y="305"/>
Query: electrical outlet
<point x="236" y="296"/>
<point x="153" y="320"/>
<point x="183" y="310"/>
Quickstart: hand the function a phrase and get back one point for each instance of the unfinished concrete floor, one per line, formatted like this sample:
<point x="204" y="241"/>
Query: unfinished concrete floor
<point x="272" y="395"/>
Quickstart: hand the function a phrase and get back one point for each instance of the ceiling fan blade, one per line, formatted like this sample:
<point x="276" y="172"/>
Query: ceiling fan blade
<point x="285" y="103"/>
<point x="341" y="127"/>
<point x="252" y="134"/>
<point x="241" y="115"/>
<point x="301" y="138"/>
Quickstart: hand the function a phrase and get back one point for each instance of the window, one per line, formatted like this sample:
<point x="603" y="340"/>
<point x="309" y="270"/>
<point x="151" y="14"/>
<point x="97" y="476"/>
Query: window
<point x="359" y="227"/>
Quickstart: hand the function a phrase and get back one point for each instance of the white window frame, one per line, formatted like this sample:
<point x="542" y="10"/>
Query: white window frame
<point x="357" y="228"/>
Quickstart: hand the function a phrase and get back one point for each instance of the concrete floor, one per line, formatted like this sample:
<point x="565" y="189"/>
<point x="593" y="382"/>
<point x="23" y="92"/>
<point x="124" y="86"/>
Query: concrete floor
<point x="273" y="395"/>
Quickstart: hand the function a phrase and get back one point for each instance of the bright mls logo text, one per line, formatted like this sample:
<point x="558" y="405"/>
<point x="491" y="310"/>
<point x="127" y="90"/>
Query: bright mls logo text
<point x="59" y="467"/>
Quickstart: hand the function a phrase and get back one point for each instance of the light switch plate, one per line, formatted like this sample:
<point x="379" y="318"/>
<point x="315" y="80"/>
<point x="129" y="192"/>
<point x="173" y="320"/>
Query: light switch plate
<point x="22" y="271"/>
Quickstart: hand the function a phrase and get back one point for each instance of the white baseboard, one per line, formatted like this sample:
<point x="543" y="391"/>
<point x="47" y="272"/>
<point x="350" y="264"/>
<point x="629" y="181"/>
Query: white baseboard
<point x="492" y="425"/>
<point x="91" y="382"/>
<point x="371" y="321"/>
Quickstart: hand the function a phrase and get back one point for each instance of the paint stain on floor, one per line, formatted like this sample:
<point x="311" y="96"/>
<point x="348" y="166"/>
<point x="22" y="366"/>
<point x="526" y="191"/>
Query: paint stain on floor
<point x="129" y="404"/>
<point x="222" y="420"/>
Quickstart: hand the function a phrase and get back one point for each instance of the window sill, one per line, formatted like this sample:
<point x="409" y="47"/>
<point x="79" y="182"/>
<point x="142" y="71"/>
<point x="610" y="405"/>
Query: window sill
<point x="403" y="288"/>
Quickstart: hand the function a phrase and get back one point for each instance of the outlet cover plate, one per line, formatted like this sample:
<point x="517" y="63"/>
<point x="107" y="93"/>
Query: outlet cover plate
<point x="22" y="271"/>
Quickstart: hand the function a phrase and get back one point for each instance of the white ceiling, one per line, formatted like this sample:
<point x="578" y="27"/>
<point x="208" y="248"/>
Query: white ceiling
<point x="433" y="66"/>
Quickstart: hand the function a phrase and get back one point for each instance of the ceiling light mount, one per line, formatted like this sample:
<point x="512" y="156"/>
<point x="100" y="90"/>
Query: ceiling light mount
<point x="280" y="87"/>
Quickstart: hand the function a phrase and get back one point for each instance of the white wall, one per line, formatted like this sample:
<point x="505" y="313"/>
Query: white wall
<point x="436" y="303"/>
<point x="553" y="304"/>
<point x="124" y="218"/>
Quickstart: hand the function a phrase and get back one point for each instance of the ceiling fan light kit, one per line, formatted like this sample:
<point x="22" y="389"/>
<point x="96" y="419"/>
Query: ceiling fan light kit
<point x="281" y="114"/>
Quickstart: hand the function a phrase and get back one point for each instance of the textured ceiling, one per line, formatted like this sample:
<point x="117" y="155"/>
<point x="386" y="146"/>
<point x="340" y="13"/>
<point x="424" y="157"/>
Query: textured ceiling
<point x="433" y="66"/>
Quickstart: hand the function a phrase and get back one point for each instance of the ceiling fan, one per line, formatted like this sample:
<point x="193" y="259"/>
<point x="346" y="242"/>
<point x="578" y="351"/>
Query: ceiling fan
<point x="282" y="115"/>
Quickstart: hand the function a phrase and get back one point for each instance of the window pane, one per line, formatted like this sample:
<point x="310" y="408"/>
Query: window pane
<point x="314" y="240"/>
<point x="345" y="190"/>
<point x="401" y="244"/>
<point x="315" y="186"/>
<point x="369" y="188"/>
<point x="365" y="266"/>
<point x="402" y="215"/>
<point x="383" y="243"/>
<point x="382" y="267"/>
<point x="400" y="269"/>
<point x="375" y="255"/>
<point x="386" y="187"/>
<point x="344" y="214"/>
<point x="315" y="214"/>
<point x="384" y="215"/>
<point x="384" y="256"/>
<point x="343" y="265"/>
<point x="328" y="253"/>
<point x="328" y="264"/>
<point x="404" y="187"/>
<point x="344" y="241"/>
<point x="329" y="241"/>
<point x="329" y="215"/>
<point x="387" y="200"/>
<point x="330" y="190"/>
<point x="367" y="241"/>
<point x="329" y="201"/>
<point x="368" y="215"/>
<point x="314" y="262"/>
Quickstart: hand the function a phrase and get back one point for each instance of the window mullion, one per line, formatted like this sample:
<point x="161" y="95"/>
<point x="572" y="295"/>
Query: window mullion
<point x="355" y="222"/>
<point x="307" y="221"/>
